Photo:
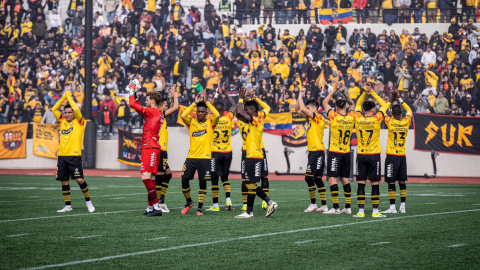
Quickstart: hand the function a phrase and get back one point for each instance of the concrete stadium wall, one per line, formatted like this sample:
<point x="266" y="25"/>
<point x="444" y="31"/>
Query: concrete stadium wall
<point x="418" y="162"/>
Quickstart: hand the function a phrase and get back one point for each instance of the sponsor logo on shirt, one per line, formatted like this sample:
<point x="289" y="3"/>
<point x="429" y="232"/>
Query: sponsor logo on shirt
<point x="199" y="133"/>
<point x="67" y="131"/>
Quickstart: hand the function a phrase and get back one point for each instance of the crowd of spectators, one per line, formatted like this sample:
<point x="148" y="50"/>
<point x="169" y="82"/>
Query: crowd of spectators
<point x="167" y="44"/>
<point x="372" y="11"/>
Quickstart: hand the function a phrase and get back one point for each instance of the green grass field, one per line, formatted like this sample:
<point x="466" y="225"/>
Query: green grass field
<point x="439" y="231"/>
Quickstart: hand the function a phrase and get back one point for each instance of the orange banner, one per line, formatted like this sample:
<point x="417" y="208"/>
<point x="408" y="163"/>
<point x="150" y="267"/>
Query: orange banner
<point x="14" y="141"/>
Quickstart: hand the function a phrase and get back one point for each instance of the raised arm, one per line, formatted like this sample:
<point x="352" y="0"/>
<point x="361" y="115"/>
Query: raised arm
<point x="214" y="111"/>
<point x="241" y="114"/>
<point x="360" y="100"/>
<point x="347" y="97"/>
<point x="326" y="106"/>
<point x="186" y="114"/>
<point x="59" y="103"/>
<point x="174" y="108"/>
<point x="383" y="105"/>
<point x="230" y="100"/>
<point x="300" y="107"/>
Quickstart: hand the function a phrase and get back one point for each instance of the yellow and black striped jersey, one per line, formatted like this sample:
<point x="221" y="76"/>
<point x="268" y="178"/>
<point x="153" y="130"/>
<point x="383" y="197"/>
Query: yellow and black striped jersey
<point x="200" y="139"/>
<point x="163" y="135"/>
<point x="341" y="127"/>
<point x="315" y="131"/>
<point x="71" y="136"/>
<point x="255" y="136"/>
<point x="397" y="133"/>
<point x="222" y="135"/>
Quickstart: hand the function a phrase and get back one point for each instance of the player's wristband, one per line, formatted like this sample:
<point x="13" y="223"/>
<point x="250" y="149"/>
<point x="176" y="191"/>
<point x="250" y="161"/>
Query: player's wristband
<point x="240" y="100"/>
<point x="400" y="100"/>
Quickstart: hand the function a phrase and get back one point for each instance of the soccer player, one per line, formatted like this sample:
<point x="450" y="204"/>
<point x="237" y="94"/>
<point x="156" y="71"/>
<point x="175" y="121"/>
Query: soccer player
<point x="200" y="154"/>
<point x="339" y="160"/>
<point x="396" y="161"/>
<point x="154" y="119"/>
<point x="368" y="165"/>
<point x="255" y="160"/>
<point x="69" y="164"/>
<point x="222" y="151"/>
<point x="164" y="174"/>
<point x="316" y="152"/>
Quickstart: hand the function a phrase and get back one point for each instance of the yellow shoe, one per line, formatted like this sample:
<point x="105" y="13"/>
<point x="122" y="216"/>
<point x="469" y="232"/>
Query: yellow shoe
<point x="229" y="206"/>
<point x="213" y="209"/>
<point x="358" y="215"/>
<point x="378" y="215"/>
<point x="264" y="205"/>
<point x="244" y="207"/>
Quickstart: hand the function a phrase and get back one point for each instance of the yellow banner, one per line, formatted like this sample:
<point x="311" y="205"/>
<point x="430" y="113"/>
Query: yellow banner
<point x="46" y="140"/>
<point x="181" y="110"/>
<point x="14" y="141"/>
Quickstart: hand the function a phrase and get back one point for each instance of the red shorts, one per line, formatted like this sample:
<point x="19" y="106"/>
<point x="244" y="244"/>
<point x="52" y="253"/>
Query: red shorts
<point x="150" y="158"/>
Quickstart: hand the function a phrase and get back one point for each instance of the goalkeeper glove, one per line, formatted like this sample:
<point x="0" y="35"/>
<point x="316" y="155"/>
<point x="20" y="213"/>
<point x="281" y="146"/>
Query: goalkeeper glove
<point x="133" y="87"/>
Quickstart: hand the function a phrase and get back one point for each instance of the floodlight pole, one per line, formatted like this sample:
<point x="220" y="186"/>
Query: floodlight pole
<point x="88" y="58"/>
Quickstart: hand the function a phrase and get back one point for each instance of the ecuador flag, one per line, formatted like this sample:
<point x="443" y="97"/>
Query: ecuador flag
<point x="342" y="14"/>
<point x="278" y="124"/>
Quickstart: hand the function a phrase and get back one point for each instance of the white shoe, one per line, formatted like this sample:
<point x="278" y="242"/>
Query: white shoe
<point x="271" y="208"/>
<point x="323" y="208"/>
<point x="90" y="207"/>
<point x="390" y="211"/>
<point x="244" y="215"/>
<point x="332" y="211"/>
<point x="164" y="208"/>
<point x="311" y="208"/>
<point x="67" y="208"/>
<point x="402" y="210"/>
<point x="346" y="211"/>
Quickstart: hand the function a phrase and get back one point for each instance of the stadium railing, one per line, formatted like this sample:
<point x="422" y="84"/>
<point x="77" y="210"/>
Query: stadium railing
<point x="395" y="15"/>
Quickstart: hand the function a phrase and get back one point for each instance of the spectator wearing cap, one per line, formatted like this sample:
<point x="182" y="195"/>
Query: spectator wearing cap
<point x="467" y="103"/>
<point x="352" y="40"/>
<point x="340" y="32"/>
<point x="359" y="6"/>
<point x="361" y="39"/>
<point x="420" y="105"/>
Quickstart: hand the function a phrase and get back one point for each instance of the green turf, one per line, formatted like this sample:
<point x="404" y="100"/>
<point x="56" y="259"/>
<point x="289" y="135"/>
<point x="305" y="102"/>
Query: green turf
<point x="336" y="241"/>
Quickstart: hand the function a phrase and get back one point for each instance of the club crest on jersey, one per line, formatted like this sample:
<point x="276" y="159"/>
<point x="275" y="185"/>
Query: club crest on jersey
<point x="12" y="140"/>
<point x="199" y="133"/>
<point x="67" y="131"/>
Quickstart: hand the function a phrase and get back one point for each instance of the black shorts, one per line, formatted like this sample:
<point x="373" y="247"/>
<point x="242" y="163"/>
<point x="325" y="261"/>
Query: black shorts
<point x="338" y="164"/>
<point x="244" y="159"/>
<point x="253" y="169"/>
<point x="220" y="164"/>
<point x="265" y="164"/>
<point x="69" y="167"/>
<point x="369" y="167"/>
<point x="395" y="168"/>
<point x="316" y="163"/>
<point x="163" y="162"/>
<point x="192" y="165"/>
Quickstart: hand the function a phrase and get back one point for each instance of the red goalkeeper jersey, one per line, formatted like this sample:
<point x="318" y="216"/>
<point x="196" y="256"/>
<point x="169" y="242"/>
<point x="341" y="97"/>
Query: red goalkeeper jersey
<point x="154" y="119"/>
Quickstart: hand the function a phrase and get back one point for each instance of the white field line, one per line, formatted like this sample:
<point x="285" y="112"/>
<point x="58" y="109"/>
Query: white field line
<point x="158" y="238"/>
<point x="119" y="198"/>
<point x="431" y="203"/>
<point x="457" y="245"/>
<point x="107" y="258"/>
<point x="379" y="243"/>
<point x="303" y="242"/>
<point x="16" y="235"/>
<point x="90" y="236"/>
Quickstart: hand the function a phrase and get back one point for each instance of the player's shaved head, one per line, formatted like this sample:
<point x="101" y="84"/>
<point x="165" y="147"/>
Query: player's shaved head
<point x="368" y="106"/>
<point x="397" y="112"/>
<point x="220" y="107"/>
